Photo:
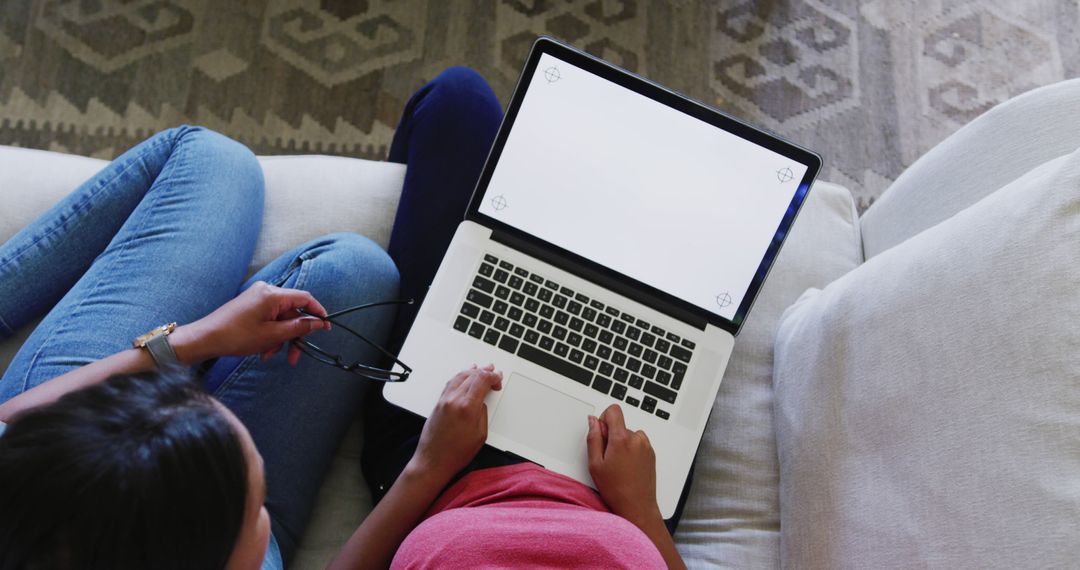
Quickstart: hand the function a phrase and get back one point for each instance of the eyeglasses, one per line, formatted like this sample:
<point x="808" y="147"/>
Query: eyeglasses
<point x="358" y="368"/>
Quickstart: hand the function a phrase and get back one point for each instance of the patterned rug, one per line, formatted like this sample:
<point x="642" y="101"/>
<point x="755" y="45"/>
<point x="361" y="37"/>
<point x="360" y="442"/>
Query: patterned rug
<point x="871" y="85"/>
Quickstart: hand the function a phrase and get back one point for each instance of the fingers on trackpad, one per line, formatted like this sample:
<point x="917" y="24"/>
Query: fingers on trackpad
<point x="540" y="417"/>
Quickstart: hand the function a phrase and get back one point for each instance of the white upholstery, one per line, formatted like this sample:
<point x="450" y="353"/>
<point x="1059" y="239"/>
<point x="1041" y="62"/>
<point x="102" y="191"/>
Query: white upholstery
<point x="732" y="517"/>
<point x="986" y="154"/>
<point x="928" y="403"/>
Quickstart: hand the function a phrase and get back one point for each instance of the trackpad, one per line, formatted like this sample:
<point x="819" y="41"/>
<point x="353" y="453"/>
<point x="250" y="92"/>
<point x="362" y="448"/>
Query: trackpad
<point x="542" y="418"/>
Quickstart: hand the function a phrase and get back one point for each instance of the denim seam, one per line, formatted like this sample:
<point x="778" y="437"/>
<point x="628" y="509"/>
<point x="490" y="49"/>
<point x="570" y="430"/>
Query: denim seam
<point x="79" y="207"/>
<point x="300" y="267"/>
<point x="124" y="248"/>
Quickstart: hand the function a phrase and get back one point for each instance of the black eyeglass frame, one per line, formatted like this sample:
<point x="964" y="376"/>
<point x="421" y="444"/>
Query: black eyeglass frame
<point x="358" y="368"/>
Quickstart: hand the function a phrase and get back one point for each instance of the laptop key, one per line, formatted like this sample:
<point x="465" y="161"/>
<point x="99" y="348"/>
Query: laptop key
<point x="461" y="324"/>
<point x="618" y="391"/>
<point x="516" y="330"/>
<point x="591" y="362"/>
<point x="476" y="330"/>
<point x="581" y="298"/>
<point x="672" y="337"/>
<point x="627" y="318"/>
<point x="664" y="363"/>
<point x="491" y="336"/>
<point x="662" y="346"/>
<point x="500" y="307"/>
<point x="588" y="345"/>
<point x="606" y="369"/>
<point x="530" y="320"/>
<point x="470" y="310"/>
<point x="657" y="331"/>
<point x="574" y="339"/>
<point x="501" y="276"/>
<point x="633" y="332"/>
<point x="487" y="317"/>
<point x="641" y="323"/>
<point x="601" y="384"/>
<point x="612" y="311"/>
<point x="576" y="355"/>
<point x="520" y="272"/>
<point x="573" y="307"/>
<point x="606" y="337"/>
<point x="636" y="381"/>
<point x="530" y="289"/>
<point x="688" y="344"/>
<point x="603" y="351"/>
<point x="547" y="311"/>
<point x="588" y="313"/>
<point x="532" y="305"/>
<point x="536" y="279"/>
<point x="551" y="285"/>
<point x="532" y="337"/>
<point x="634" y="365"/>
<point x="648" y="371"/>
<point x="596" y="305"/>
<point x="559" y="333"/>
<point x="502" y="323"/>
<point x="561" y="349"/>
<point x="635" y="349"/>
<point x="561" y="317"/>
<point x="490" y="258"/>
<point x="631" y="401"/>
<point x="663" y="377"/>
<point x="650" y="356"/>
<point x="662" y="414"/>
<point x="591" y="331"/>
<point x="618" y="326"/>
<point x="485" y="285"/>
<point x="517" y="299"/>
<point x="502" y="292"/>
<point x="508" y="344"/>
<point x="544" y="295"/>
<point x="506" y="265"/>
<point x="515" y="314"/>
<point x="479" y="298"/>
<point x="621" y="343"/>
<point x="566" y="291"/>
<point x="547" y="343"/>
<point x="603" y="320"/>
<point x="544" y="326"/>
<point x="647" y="339"/>
<point x="559" y="301"/>
<point x="555" y="364"/>
<point x="648" y="404"/>
<point x="618" y="358"/>
<point x="516" y="282"/>
<point x="621" y="375"/>
<point x="681" y="353"/>
<point x="654" y="389"/>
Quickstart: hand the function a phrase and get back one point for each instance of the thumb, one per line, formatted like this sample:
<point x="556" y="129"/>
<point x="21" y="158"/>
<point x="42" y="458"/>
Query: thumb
<point x="595" y="441"/>
<point x="293" y="328"/>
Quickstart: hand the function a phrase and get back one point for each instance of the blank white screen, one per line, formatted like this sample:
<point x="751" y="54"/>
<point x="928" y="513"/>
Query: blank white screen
<point x="640" y="188"/>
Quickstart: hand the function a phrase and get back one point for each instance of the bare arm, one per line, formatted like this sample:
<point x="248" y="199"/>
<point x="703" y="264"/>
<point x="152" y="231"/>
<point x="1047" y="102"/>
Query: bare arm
<point x="451" y="438"/>
<point x="260" y="320"/>
<point x="623" y="466"/>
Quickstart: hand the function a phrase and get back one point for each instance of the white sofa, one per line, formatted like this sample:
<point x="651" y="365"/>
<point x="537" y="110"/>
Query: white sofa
<point x="734" y="512"/>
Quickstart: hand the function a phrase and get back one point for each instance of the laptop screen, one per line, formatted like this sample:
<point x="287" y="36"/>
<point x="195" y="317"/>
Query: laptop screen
<point x="639" y="187"/>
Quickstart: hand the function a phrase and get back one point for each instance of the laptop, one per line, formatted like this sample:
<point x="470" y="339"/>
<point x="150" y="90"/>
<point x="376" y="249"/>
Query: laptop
<point x="611" y="251"/>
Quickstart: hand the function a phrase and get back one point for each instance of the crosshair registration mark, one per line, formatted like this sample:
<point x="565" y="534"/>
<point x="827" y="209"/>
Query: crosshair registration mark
<point x="784" y="175"/>
<point x="723" y="299"/>
<point x="552" y="74"/>
<point x="499" y="202"/>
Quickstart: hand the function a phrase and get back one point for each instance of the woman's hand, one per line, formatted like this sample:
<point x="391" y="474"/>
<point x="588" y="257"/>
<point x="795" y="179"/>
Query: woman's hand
<point x="457" y="428"/>
<point x="623" y="466"/>
<point x="258" y="321"/>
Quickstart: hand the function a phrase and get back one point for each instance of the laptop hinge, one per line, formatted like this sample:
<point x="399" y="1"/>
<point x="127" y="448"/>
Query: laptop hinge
<point x="600" y="279"/>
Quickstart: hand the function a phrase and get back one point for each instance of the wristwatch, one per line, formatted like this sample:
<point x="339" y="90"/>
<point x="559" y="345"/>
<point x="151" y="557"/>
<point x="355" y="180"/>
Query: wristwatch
<point x="157" y="342"/>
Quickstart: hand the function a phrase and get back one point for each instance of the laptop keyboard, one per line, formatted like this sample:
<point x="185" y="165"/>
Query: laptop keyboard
<point x="599" y="346"/>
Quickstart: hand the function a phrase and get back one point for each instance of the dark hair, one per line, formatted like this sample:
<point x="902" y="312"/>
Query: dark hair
<point x="140" y="471"/>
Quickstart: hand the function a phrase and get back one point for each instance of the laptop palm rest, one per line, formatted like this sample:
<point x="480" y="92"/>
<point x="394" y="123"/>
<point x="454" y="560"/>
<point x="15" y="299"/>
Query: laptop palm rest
<point x="542" y="418"/>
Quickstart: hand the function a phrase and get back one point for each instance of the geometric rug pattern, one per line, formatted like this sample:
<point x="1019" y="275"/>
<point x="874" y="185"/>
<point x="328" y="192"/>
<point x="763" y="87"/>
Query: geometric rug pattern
<point x="869" y="84"/>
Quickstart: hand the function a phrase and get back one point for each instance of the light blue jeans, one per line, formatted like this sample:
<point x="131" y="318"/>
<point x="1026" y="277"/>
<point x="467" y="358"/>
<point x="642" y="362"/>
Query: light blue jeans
<point x="165" y="233"/>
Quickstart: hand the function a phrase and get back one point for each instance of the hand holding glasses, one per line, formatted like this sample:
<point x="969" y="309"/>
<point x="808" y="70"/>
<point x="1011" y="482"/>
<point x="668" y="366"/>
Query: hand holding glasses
<point x="349" y="364"/>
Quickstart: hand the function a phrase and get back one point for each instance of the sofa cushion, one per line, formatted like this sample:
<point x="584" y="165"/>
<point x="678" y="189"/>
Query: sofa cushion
<point x="732" y="516"/>
<point x="928" y="403"/>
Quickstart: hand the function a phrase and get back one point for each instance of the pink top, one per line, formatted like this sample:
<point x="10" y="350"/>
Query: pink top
<point x="524" y="516"/>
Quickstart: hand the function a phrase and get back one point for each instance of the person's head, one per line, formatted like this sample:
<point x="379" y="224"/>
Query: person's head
<point x="142" y="471"/>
